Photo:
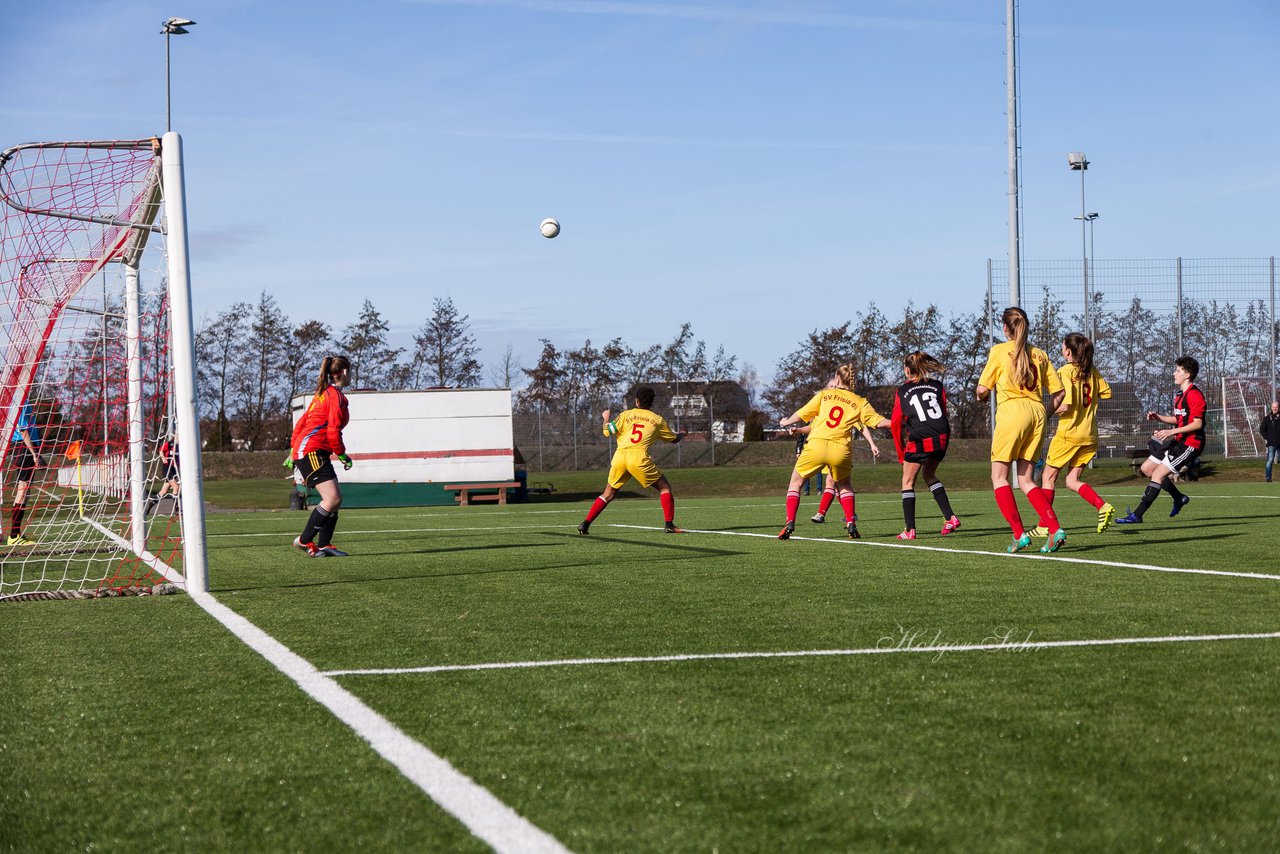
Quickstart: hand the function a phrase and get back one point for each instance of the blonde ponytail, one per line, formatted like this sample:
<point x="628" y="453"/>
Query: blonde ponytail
<point x="1024" y="372"/>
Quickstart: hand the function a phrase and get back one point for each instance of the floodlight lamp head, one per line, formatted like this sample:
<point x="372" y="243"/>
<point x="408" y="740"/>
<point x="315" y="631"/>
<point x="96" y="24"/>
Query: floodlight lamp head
<point x="1077" y="161"/>
<point x="177" y="26"/>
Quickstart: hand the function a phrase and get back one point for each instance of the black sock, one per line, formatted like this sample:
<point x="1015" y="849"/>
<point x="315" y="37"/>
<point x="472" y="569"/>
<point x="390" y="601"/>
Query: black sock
<point x="315" y="522"/>
<point x="325" y="535"/>
<point x="1148" y="498"/>
<point x="940" y="495"/>
<point x="15" y="520"/>
<point x="1169" y="487"/>
<point x="909" y="507"/>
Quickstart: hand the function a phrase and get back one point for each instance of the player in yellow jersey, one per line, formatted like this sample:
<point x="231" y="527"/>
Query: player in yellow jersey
<point x="1076" y="441"/>
<point x="834" y="412"/>
<point x="1020" y="374"/>
<point x="828" y="481"/>
<point x="635" y="430"/>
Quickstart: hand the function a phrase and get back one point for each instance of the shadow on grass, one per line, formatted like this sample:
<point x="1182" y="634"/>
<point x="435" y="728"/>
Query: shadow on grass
<point x="685" y="552"/>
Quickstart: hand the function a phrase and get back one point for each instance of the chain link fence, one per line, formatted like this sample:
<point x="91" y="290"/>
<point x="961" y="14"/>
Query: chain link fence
<point x="1142" y="315"/>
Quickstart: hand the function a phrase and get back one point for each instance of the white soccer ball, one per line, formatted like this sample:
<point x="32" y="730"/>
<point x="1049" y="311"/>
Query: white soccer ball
<point x="549" y="227"/>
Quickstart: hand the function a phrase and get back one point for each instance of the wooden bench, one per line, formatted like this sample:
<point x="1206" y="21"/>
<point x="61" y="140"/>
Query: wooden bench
<point x="1137" y="456"/>
<point x="467" y="492"/>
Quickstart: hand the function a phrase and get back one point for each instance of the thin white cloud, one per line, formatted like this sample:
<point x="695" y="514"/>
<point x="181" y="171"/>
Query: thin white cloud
<point x="728" y="14"/>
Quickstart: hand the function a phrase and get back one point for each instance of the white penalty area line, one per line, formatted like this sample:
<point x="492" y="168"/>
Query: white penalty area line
<point x="1030" y="556"/>
<point x="895" y="644"/>
<point x="477" y="808"/>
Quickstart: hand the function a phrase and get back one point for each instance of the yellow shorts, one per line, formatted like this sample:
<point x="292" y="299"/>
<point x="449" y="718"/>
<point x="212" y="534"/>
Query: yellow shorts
<point x="628" y="464"/>
<point x="825" y="453"/>
<point x="1065" y="454"/>
<point x="1019" y="430"/>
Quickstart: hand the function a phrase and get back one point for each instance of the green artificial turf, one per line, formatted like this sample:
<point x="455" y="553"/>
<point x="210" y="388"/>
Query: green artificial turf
<point x="143" y="724"/>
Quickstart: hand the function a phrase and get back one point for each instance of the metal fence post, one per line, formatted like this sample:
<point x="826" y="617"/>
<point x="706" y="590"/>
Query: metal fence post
<point x="1179" y="307"/>
<point x="1272" y="366"/>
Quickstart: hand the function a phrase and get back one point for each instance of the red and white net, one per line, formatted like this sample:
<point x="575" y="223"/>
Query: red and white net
<point x="81" y="248"/>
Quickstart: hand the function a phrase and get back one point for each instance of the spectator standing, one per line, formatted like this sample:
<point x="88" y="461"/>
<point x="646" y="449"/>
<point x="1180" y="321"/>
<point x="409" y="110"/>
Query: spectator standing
<point x="1270" y="430"/>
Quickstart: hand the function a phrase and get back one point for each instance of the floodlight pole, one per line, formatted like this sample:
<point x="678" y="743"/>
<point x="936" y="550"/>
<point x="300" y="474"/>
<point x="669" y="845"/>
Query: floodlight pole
<point x="172" y="27"/>
<point x="1015" y="199"/>
<point x="1079" y="163"/>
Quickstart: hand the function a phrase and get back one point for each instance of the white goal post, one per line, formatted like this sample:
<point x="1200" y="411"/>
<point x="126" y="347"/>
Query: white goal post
<point x="98" y="419"/>
<point x="1244" y="401"/>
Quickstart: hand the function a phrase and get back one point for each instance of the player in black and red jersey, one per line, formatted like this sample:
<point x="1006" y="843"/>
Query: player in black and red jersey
<point x="920" y="432"/>
<point x="1173" y="449"/>
<point x="172" y="480"/>
<point x="317" y="436"/>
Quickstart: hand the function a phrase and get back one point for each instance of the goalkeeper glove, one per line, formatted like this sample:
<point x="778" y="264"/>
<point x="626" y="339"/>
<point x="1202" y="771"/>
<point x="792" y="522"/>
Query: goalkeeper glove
<point x="288" y="462"/>
<point x="346" y="462"/>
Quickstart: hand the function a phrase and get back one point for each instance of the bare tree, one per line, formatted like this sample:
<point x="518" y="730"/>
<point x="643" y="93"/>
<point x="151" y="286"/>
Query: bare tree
<point x="506" y="372"/>
<point x="303" y="353"/>
<point x="220" y="356"/>
<point x="262" y="406"/>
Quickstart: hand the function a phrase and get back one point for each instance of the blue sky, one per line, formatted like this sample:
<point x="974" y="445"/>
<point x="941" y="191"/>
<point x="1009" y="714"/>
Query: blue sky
<point x="757" y="168"/>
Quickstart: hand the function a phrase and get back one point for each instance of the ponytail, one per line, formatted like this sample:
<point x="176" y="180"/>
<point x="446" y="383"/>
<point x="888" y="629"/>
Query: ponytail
<point x="844" y="374"/>
<point x="920" y="365"/>
<point x="1015" y="321"/>
<point x="1081" y="349"/>
<point x="331" y="367"/>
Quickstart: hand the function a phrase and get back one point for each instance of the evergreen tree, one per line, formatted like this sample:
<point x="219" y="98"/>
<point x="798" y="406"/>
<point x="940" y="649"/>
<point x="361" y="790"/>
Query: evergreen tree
<point x="365" y="344"/>
<point x="445" y="353"/>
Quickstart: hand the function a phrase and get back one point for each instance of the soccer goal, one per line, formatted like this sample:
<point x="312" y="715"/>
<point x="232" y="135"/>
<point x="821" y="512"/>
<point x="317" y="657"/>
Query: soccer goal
<point x="1244" y="401"/>
<point x="97" y="390"/>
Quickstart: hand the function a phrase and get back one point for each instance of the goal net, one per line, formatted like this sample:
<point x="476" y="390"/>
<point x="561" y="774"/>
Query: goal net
<point x="1244" y="401"/>
<point x="98" y="452"/>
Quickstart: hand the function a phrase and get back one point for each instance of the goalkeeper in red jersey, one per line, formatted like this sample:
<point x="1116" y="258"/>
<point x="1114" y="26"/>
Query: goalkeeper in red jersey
<point x="316" y="437"/>
<point x="635" y="430"/>
<point x="833" y="413"/>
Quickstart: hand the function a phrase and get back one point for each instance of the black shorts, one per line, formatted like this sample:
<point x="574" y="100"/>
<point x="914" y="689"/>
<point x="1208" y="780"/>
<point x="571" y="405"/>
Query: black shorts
<point x="315" y="468"/>
<point x="1177" y="456"/>
<point x="924" y="456"/>
<point x="171" y="470"/>
<point x="22" y="463"/>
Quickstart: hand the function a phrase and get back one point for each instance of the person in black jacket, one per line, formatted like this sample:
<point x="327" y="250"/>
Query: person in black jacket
<point x="1270" y="430"/>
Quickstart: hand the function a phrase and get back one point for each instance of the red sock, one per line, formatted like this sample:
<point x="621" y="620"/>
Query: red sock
<point x="846" y="502"/>
<point x="1049" y="498"/>
<point x="824" y="503"/>
<point x="668" y="506"/>
<point x="1040" y="501"/>
<point x="1009" y="509"/>
<point x="596" y="508"/>
<point x="793" y="504"/>
<point x="1087" y="493"/>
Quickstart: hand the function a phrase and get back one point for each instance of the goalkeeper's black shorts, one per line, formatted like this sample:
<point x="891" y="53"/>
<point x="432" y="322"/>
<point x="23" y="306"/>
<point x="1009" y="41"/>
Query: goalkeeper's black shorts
<point x="315" y="468"/>
<point x="22" y="463"/>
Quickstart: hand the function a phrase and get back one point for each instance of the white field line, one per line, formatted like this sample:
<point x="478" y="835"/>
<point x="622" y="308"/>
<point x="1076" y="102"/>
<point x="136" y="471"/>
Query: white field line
<point x="483" y="814"/>
<point x="893" y="645"/>
<point x="1029" y="556"/>
<point x="170" y="574"/>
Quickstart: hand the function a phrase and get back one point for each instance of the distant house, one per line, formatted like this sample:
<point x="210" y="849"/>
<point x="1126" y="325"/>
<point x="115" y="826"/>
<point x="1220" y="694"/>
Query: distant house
<point x="718" y="409"/>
